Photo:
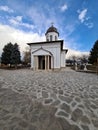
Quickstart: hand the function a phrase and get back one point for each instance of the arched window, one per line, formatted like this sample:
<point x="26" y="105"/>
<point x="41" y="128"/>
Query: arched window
<point x="50" y="37"/>
<point x="55" y="37"/>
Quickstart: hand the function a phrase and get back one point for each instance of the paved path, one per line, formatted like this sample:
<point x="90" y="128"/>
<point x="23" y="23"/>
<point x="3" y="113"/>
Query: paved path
<point x="64" y="100"/>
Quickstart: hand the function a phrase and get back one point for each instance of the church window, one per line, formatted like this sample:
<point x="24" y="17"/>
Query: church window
<point x="50" y="37"/>
<point x="55" y="37"/>
<point x="47" y="37"/>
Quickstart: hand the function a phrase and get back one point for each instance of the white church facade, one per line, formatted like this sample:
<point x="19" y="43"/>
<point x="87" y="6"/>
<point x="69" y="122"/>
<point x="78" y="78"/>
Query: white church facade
<point x="48" y="55"/>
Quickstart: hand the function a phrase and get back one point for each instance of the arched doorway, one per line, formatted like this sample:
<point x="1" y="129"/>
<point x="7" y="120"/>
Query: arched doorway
<point x="42" y="62"/>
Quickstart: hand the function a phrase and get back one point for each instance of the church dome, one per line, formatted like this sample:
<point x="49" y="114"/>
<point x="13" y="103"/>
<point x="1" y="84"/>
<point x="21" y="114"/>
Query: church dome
<point x="52" y="29"/>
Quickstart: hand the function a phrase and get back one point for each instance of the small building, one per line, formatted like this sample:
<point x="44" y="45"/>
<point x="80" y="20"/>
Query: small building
<point x="48" y="55"/>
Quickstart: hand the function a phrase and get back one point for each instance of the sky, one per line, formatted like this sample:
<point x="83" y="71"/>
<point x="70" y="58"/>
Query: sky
<point x="23" y="21"/>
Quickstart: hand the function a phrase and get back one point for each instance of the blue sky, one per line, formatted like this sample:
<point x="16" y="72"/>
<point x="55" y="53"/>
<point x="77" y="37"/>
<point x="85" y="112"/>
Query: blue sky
<point x="25" y="21"/>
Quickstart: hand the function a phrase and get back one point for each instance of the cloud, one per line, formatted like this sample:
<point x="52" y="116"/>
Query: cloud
<point x="17" y="36"/>
<point x="64" y="7"/>
<point x="6" y="9"/>
<point x="37" y="16"/>
<point x="85" y="19"/>
<point x="27" y="25"/>
<point x="18" y="18"/>
<point x="89" y="25"/>
<point x="18" y="22"/>
<point x="41" y="18"/>
<point x="82" y="15"/>
<point x="73" y="48"/>
<point x="75" y="53"/>
<point x="9" y="34"/>
<point x="69" y="29"/>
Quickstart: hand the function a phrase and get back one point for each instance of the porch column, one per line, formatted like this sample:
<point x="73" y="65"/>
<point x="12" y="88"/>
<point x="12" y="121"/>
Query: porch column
<point x="48" y="62"/>
<point x="45" y="63"/>
<point x="35" y="62"/>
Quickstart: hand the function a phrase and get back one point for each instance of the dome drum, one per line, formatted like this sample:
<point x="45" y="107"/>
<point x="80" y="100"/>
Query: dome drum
<point x="52" y="34"/>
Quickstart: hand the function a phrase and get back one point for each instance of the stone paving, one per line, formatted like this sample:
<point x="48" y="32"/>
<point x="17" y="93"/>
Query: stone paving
<point x="63" y="100"/>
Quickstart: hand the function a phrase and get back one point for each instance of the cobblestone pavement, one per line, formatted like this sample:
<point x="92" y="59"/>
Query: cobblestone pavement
<point x="64" y="100"/>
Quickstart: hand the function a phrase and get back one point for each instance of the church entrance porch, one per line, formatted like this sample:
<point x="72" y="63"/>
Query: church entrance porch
<point x="42" y="62"/>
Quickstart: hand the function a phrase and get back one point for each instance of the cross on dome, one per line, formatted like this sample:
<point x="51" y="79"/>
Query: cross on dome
<point x="52" y="29"/>
<point x="52" y="23"/>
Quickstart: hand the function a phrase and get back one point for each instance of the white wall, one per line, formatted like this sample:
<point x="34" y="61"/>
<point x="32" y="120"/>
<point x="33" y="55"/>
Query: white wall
<point x="53" y="36"/>
<point x="54" y="48"/>
<point x="63" y="59"/>
<point x="32" y="60"/>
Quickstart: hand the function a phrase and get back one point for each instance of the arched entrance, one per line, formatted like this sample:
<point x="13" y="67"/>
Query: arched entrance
<point x="42" y="59"/>
<point x="42" y="62"/>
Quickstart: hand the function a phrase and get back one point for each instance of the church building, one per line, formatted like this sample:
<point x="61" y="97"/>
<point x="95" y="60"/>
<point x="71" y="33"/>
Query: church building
<point x="48" y="55"/>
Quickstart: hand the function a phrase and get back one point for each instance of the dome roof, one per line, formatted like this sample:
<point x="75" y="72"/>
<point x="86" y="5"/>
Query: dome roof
<point x="52" y="29"/>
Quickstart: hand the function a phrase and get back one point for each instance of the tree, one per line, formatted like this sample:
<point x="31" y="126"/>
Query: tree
<point x="27" y="56"/>
<point x="94" y="53"/>
<point x="11" y="54"/>
<point x="15" y="55"/>
<point x="84" y="59"/>
<point x="6" y="55"/>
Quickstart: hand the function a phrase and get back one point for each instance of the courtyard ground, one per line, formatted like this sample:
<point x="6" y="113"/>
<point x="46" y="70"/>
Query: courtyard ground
<point x="63" y="100"/>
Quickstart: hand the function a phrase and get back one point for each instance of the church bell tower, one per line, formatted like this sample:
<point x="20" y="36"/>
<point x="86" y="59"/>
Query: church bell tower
<point x="52" y="34"/>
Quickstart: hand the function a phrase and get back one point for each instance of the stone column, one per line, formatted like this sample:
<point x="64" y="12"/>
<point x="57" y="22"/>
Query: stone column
<point x="45" y="63"/>
<point x="48" y="62"/>
<point x="52" y="67"/>
<point x="35" y="62"/>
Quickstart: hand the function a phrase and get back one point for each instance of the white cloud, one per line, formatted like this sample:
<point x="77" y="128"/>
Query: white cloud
<point x="40" y="19"/>
<point x="9" y="34"/>
<point x="19" y="18"/>
<point x="37" y="16"/>
<point x="72" y="47"/>
<point x="69" y="28"/>
<point x="82" y="15"/>
<point x="18" y="21"/>
<point x="6" y="9"/>
<point x="75" y="53"/>
<point x="85" y="19"/>
<point x="89" y="25"/>
<point x="64" y="7"/>
<point x="71" y="43"/>
<point x="27" y="25"/>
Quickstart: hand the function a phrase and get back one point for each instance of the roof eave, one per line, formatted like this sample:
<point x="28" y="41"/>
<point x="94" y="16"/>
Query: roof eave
<point x="45" y="42"/>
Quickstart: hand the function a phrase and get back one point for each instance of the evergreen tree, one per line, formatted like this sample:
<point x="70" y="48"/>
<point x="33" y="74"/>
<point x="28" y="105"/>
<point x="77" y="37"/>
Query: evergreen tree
<point x="15" y="55"/>
<point x="11" y="54"/>
<point x="94" y="53"/>
<point x="6" y="55"/>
